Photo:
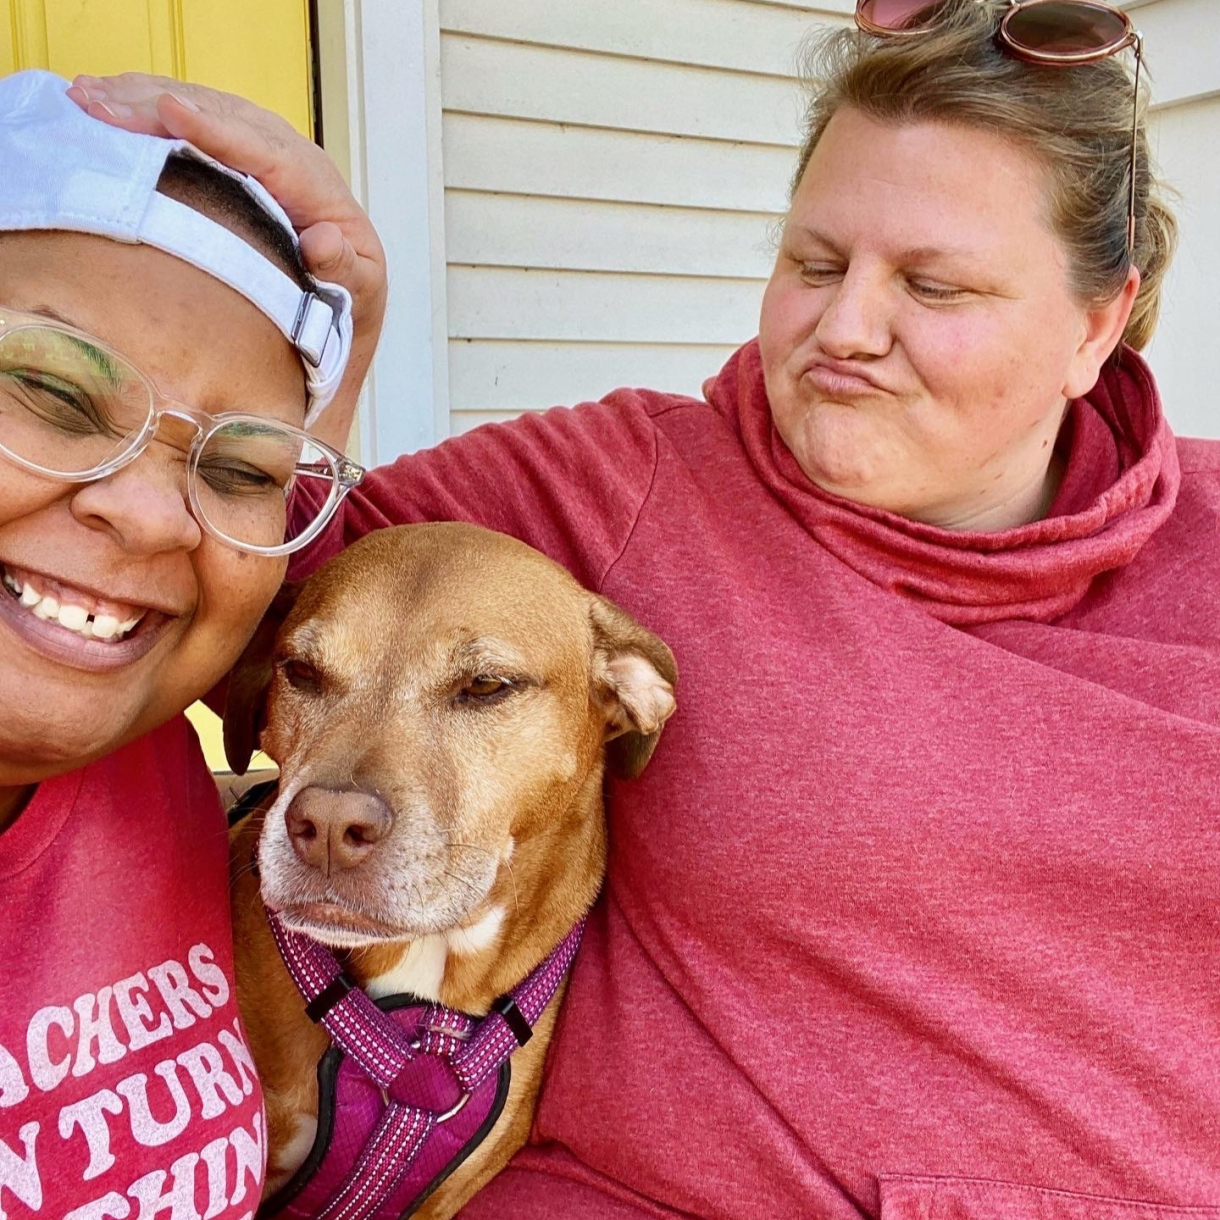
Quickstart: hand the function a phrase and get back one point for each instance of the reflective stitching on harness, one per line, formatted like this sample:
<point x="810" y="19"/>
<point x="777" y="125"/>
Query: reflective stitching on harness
<point x="401" y="1146"/>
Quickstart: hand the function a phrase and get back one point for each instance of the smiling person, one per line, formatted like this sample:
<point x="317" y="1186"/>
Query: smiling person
<point x="907" y="915"/>
<point x="163" y="345"/>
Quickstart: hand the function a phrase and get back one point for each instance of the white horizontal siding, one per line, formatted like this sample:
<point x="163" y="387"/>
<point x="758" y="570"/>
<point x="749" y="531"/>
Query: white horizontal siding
<point x="580" y="235"/>
<point x="761" y="39"/>
<point x="494" y="154"/>
<point x="549" y="84"/>
<point x="1182" y="46"/>
<point x="594" y="306"/>
<point x="508" y="376"/>
<point x="613" y="176"/>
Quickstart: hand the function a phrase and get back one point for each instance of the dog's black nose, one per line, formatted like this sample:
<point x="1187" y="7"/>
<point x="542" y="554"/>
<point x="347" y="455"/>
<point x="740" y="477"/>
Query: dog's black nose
<point x="336" y="830"/>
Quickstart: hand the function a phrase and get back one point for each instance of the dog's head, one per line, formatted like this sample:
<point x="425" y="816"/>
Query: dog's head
<point x="440" y="700"/>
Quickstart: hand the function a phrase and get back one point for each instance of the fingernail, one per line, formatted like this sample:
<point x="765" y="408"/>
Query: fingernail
<point x="116" y="110"/>
<point x="185" y="103"/>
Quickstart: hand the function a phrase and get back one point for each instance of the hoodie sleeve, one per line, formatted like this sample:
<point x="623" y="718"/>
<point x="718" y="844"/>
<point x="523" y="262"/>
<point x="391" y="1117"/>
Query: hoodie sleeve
<point x="570" y="482"/>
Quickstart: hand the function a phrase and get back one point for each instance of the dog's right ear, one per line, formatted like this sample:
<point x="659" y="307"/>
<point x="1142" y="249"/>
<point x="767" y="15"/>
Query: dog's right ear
<point x="635" y="674"/>
<point x="250" y="679"/>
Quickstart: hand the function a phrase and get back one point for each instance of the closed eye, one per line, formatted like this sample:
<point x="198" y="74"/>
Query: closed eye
<point x="820" y="273"/>
<point x="932" y="291"/>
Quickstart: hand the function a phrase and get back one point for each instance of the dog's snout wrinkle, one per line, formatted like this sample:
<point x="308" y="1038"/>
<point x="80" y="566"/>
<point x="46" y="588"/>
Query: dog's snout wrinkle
<point x="331" y="831"/>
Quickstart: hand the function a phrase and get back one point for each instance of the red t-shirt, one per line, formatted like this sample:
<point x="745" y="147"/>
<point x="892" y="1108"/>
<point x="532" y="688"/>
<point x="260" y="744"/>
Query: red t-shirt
<point x="914" y="913"/>
<point x="126" y="1088"/>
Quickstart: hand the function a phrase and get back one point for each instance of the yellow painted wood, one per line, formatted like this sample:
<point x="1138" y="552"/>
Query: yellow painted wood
<point x="8" y="51"/>
<point x="258" y="48"/>
<point x="207" y="725"/>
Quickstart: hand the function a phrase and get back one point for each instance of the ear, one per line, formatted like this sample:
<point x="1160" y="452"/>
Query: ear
<point x="635" y="674"/>
<point x="1104" y="326"/>
<point x="250" y="679"/>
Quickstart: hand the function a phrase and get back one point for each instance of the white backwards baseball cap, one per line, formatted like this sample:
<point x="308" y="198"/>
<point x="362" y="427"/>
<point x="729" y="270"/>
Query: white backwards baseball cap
<point x="61" y="169"/>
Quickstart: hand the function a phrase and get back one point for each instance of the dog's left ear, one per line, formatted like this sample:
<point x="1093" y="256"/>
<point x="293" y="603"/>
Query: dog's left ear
<point x="250" y="679"/>
<point x="635" y="674"/>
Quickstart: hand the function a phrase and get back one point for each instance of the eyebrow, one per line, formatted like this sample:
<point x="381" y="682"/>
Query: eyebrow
<point x="94" y="355"/>
<point x="98" y="359"/>
<point x="913" y="254"/>
<point x="482" y="652"/>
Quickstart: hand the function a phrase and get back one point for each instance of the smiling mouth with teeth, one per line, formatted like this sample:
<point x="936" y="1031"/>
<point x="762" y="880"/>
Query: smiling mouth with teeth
<point x="72" y="609"/>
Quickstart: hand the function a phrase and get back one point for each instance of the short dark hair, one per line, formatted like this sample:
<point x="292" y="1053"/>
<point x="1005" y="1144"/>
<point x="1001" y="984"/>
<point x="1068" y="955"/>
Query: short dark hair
<point x="216" y="195"/>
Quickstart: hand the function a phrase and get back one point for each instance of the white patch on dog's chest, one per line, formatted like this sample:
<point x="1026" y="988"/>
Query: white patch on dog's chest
<point x="419" y="971"/>
<point x="476" y="937"/>
<point x="292" y="1156"/>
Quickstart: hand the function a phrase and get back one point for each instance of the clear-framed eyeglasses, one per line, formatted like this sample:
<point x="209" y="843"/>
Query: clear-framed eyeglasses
<point x="75" y="410"/>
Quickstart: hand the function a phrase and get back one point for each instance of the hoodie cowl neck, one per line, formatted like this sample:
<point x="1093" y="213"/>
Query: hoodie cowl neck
<point x="1120" y="485"/>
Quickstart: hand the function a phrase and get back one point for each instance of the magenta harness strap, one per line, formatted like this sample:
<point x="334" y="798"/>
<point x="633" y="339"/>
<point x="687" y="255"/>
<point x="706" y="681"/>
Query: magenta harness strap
<point x="408" y="1090"/>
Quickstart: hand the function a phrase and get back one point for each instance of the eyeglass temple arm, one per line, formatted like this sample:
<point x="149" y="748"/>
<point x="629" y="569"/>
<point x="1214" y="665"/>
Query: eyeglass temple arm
<point x="1138" y="46"/>
<point x="349" y="473"/>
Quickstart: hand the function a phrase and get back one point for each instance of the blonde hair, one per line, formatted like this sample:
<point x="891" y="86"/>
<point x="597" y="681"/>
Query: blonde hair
<point x="1076" y="121"/>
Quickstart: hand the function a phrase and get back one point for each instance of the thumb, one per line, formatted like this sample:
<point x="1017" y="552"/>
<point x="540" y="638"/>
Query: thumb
<point x="329" y="255"/>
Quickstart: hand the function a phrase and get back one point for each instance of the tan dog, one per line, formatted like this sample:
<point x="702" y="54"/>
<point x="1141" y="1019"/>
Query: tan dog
<point x="442" y="701"/>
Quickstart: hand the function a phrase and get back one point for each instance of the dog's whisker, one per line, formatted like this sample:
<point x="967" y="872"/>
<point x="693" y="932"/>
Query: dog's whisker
<point x="466" y="881"/>
<point x="512" y="876"/>
<point x="508" y="864"/>
<point x="239" y="873"/>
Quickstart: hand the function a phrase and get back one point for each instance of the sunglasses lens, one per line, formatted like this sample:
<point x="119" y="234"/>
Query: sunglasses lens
<point x="1065" y="28"/>
<point x="898" y="15"/>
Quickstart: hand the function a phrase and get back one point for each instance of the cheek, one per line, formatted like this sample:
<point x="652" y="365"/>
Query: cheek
<point x="789" y="315"/>
<point x="234" y="591"/>
<point x="22" y="494"/>
<point x="969" y="375"/>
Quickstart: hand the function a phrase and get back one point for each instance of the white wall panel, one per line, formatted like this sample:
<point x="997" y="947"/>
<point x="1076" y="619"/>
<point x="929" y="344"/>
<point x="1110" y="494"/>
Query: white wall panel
<point x="489" y="76"/>
<point x="1182" y="46"/>
<point x="756" y="38"/>
<point x="593" y="306"/>
<point x="529" y="158"/>
<point x="613" y="175"/>
<point x="578" y="235"/>
<point x="508" y="376"/>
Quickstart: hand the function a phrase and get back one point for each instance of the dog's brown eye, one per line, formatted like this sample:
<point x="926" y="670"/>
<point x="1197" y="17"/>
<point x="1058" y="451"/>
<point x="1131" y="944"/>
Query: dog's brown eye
<point x="483" y="689"/>
<point x="301" y="675"/>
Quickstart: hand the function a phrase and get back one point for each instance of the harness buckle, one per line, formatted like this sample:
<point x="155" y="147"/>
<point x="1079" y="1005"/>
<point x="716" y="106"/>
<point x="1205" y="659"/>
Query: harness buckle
<point x="514" y="1018"/>
<point x="317" y="1008"/>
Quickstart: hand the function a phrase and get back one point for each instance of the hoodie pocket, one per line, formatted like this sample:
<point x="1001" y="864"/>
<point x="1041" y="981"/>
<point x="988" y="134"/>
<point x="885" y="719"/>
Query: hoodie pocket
<point x="907" y="1197"/>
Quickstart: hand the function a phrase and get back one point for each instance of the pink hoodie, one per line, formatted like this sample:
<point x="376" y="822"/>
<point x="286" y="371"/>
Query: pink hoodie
<point x="914" y="913"/>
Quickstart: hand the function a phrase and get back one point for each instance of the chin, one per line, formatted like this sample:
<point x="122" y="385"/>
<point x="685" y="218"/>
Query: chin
<point x="839" y="455"/>
<point x="46" y="735"/>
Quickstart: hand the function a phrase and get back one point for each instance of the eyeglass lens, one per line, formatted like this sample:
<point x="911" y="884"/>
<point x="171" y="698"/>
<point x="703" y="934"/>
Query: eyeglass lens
<point x="1065" y="28"/>
<point x="71" y="408"/>
<point x="908" y="15"/>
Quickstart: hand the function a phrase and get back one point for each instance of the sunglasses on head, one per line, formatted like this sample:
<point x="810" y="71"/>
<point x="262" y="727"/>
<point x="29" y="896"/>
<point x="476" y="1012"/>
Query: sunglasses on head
<point x="1054" y="32"/>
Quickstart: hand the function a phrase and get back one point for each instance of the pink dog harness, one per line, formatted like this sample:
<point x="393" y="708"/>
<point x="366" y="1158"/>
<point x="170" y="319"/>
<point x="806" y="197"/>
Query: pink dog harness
<point x="407" y="1091"/>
